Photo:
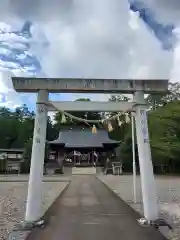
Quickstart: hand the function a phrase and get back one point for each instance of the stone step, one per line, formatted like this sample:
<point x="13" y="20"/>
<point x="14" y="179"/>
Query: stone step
<point x="83" y="170"/>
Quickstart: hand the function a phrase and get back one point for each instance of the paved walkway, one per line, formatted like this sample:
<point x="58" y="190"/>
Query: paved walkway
<point x="89" y="210"/>
<point x="83" y="170"/>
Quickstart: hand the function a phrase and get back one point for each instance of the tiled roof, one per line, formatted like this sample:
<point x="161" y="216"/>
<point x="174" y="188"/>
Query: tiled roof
<point x="83" y="138"/>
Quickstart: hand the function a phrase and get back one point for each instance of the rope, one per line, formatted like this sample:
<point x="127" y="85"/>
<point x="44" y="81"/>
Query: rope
<point x="92" y="121"/>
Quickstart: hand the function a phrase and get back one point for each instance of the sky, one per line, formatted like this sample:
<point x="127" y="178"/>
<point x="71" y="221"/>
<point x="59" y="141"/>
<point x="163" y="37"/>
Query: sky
<point x="86" y="38"/>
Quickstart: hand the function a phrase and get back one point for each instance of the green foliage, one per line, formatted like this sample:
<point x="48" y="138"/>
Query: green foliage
<point x="16" y="131"/>
<point x="25" y="165"/>
<point x="27" y="149"/>
<point x="164" y="131"/>
<point x="119" y="132"/>
<point x="16" y="127"/>
<point x="118" y="98"/>
<point x="72" y="122"/>
<point x="159" y="100"/>
<point x="3" y="163"/>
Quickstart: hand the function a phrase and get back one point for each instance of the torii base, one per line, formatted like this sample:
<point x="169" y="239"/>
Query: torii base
<point x="28" y="226"/>
<point x="156" y="224"/>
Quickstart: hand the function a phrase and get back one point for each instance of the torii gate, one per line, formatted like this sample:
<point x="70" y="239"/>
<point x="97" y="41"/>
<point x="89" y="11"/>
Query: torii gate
<point x="45" y="86"/>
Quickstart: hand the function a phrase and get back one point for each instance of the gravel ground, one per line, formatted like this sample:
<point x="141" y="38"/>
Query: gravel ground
<point x="168" y="192"/>
<point x="13" y="199"/>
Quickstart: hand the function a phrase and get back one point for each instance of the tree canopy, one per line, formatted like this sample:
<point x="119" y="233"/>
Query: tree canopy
<point x="72" y="122"/>
<point x="16" y="127"/>
<point x="164" y="132"/>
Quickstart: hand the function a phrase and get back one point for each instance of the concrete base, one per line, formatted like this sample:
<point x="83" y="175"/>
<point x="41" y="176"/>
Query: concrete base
<point x="24" y="227"/>
<point x="157" y="223"/>
<point x="27" y="226"/>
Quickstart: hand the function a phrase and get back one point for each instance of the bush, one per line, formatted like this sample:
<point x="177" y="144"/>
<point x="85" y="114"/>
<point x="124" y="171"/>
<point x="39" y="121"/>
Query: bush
<point x="3" y="165"/>
<point x="25" y="165"/>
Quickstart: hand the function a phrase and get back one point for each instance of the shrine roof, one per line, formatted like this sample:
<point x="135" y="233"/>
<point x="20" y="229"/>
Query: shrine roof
<point x="83" y="138"/>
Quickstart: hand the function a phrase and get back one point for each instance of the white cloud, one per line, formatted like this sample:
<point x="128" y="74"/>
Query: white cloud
<point x="168" y="12"/>
<point x="94" y="38"/>
<point x="148" y="60"/>
<point x="175" y="72"/>
<point x="11" y="98"/>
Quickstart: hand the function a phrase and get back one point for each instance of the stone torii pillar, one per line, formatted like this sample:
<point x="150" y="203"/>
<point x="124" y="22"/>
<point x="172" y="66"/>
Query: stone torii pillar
<point x="146" y="168"/>
<point x="34" y="198"/>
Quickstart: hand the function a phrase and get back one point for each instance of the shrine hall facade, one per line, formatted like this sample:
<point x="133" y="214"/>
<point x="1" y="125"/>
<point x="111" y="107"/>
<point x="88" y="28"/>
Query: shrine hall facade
<point x="80" y="146"/>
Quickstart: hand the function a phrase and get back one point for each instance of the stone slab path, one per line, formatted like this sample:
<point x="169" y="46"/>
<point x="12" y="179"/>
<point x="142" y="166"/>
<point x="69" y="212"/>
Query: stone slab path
<point x="83" y="171"/>
<point x="89" y="210"/>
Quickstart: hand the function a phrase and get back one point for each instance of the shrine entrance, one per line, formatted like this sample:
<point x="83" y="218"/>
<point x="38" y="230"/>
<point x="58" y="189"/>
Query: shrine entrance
<point x="138" y="106"/>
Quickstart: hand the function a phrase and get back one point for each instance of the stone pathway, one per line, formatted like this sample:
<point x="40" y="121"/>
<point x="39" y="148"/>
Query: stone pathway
<point x="89" y="210"/>
<point x="83" y="170"/>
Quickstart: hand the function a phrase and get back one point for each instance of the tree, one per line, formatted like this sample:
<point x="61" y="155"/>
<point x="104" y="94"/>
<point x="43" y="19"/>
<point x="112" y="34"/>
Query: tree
<point x="118" y="98"/>
<point x="15" y="127"/>
<point x="52" y="130"/>
<point x="72" y="122"/>
<point x="165" y="140"/>
<point x="3" y="164"/>
<point x="173" y="93"/>
<point x="118" y="132"/>
<point x="25" y="165"/>
<point x="164" y="131"/>
<point x="161" y="99"/>
<point x="155" y="100"/>
<point x="16" y="131"/>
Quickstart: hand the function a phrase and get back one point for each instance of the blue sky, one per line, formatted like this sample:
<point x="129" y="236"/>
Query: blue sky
<point x="90" y="38"/>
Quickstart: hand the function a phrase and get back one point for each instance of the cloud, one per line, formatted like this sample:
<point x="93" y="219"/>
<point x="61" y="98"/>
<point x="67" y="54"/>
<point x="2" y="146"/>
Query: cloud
<point x="8" y="97"/>
<point x="93" y="38"/>
<point x="101" y="43"/>
<point x="163" y="32"/>
<point x="148" y="59"/>
<point x="166" y="11"/>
